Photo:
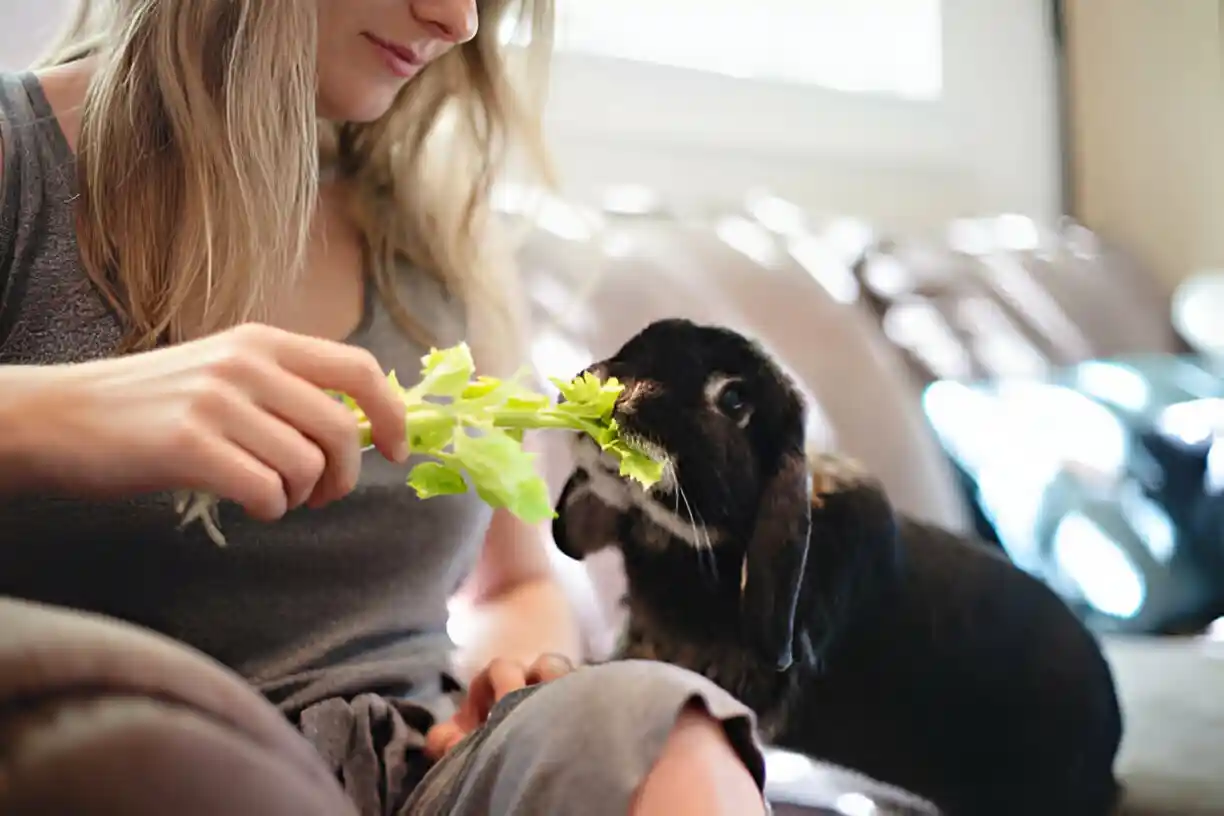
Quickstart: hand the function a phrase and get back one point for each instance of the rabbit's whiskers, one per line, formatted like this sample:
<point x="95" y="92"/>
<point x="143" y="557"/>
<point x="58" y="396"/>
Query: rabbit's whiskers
<point x="654" y="503"/>
<point x="701" y="534"/>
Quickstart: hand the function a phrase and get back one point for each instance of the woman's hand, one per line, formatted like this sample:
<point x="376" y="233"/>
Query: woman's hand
<point x="240" y="414"/>
<point x="487" y="688"/>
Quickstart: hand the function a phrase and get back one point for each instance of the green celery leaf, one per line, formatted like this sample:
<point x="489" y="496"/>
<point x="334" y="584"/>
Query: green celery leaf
<point x="428" y="428"/>
<point x="504" y="474"/>
<point x="430" y="479"/>
<point x="636" y="465"/>
<point x="445" y="372"/>
<point x="482" y="386"/>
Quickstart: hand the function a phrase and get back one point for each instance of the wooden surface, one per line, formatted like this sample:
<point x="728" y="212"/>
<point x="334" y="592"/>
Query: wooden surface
<point x="1146" y="103"/>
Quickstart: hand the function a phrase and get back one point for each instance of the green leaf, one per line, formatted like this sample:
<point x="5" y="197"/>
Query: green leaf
<point x="504" y="474"/>
<point x="430" y="479"/>
<point x="480" y="387"/>
<point x="428" y="428"/>
<point x="638" y="466"/>
<point x="588" y="394"/>
<point x="471" y="429"/>
<point x="446" y="372"/>
<point x="527" y="402"/>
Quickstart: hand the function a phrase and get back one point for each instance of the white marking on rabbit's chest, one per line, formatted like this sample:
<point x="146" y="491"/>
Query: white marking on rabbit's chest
<point x="619" y="494"/>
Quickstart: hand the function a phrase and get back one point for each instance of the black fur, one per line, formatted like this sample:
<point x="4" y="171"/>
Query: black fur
<point x="860" y="637"/>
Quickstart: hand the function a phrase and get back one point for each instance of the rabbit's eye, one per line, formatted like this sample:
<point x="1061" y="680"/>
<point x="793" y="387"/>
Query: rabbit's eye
<point x="731" y="402"/>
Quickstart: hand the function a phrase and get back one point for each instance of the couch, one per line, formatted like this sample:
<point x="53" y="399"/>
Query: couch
<point x="801" y="297"/>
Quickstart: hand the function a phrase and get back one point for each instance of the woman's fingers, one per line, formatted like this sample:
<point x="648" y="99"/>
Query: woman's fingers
<point x="547" y="668"/>
<point x="441" y="738"/>
<point x="497" y="680"/>
<point x="500" y="678"/>
<point x="328" y="424"/>
<point x="454" y="740"/>
<point x="300" y="462"/>
<point x="224" y="469"/>
<point x="356" y="372"/>
<point x="505" y="676"/>
<point x="287" y="374"/>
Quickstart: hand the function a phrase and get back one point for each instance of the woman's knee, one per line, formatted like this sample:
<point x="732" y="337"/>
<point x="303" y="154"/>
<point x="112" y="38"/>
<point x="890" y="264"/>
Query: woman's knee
<point x="589" y="742"/>
<point x="698" y="772"/>
<point x="694" y="743"/>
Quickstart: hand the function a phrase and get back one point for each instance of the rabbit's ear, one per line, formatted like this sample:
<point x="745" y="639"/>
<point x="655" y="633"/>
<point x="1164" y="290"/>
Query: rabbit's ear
<point x="775" y="562"/>
<point x="584" y="522"/>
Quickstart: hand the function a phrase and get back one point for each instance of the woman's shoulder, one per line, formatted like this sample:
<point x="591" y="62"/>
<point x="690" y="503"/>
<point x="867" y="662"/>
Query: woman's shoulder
<point x="34" y="153"/>
<point x="45" y="285"/>
<point x="30" y="125"/>
<point x="62" y="90"/>
<point x="40" y="111"/>
<point x="9" y="118"/>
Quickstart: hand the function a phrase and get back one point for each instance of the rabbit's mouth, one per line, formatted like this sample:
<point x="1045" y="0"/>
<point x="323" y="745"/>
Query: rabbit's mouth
<point x="663" y="503"/>
<point x="655" y="451"/>
<point x="630" y="429"/>
<point x="592" y="459"/>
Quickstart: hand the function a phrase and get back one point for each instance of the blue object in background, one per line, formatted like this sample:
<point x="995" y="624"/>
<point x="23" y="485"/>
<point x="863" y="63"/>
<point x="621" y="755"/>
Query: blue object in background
<point x="1103" y="480"/>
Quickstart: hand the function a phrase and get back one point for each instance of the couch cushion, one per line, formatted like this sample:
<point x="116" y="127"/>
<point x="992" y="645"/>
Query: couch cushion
<point x="1172" y="692"/>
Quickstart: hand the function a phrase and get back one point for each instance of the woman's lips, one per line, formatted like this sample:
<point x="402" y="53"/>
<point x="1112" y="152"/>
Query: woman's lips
<point x="403" y="62"/>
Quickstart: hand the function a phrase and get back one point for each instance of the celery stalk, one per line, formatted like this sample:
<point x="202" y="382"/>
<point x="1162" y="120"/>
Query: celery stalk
<point x="469" y="429"/>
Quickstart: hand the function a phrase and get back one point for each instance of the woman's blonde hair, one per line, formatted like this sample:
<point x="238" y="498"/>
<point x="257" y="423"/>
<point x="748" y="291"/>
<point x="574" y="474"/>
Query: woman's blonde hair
<point x="200" y="157"/>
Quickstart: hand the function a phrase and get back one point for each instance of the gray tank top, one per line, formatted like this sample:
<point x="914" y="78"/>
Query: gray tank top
<point x="323" y="602"/>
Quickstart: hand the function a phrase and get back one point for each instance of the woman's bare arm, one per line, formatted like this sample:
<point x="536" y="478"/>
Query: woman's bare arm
<point x="514" y="606"/>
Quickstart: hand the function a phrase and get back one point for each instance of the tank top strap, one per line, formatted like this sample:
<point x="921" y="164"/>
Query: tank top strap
<point x="38" y="174"/>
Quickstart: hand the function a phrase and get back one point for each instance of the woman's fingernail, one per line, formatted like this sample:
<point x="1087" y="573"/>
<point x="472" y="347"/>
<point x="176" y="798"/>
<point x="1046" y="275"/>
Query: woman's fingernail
<point x="552" y="666"/>
<point x="401" y="451"/>
<point x="561" y="660"/>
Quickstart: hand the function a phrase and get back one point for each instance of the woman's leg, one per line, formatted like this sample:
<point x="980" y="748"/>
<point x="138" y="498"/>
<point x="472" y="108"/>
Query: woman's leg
<point x="629" y="737"/>
<point x="698" y="772"/>
<point x="98" y="717"/>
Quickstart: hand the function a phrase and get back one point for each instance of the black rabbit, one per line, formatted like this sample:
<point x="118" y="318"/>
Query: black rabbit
<point x="859" y="636"/>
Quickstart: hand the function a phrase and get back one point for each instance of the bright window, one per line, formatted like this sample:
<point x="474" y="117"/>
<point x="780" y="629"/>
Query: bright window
<point x="889" y="47"/>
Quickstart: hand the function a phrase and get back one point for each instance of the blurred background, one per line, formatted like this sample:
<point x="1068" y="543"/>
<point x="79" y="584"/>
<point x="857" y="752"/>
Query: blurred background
<point x="985" y="236"/>
<point x="980" y="234"/>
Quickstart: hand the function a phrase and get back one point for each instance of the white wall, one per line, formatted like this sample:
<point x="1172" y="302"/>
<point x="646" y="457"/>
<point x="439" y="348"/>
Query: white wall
<point x="1147" y="85"/>
<point x="990" y="144"/>
<point x="26" y="26"/>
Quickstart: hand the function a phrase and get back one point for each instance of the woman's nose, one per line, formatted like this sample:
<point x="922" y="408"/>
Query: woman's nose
<point x="455" y="21"/>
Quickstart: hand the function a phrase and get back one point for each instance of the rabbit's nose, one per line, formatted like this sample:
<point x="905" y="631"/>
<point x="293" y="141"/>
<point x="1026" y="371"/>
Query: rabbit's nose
<point x="598" y="370"/>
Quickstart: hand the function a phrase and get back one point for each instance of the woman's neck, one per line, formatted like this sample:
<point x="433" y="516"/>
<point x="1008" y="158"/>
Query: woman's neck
<point x="65" y="87"/>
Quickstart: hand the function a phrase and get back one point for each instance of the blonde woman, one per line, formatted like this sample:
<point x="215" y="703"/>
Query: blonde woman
<point x="211" y="210"/>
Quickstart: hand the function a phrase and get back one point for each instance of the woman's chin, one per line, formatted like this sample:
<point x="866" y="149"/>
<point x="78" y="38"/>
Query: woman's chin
<point x="357" y="106"/>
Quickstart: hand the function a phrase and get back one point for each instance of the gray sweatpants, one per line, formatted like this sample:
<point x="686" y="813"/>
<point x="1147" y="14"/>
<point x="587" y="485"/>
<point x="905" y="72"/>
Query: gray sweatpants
<point x="578" y="745"/>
